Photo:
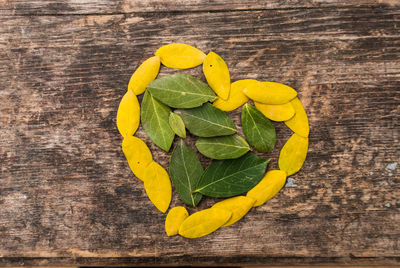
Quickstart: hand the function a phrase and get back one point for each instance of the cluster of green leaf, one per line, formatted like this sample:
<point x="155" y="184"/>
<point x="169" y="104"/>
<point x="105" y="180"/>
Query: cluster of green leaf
<point x="235" y="170"/>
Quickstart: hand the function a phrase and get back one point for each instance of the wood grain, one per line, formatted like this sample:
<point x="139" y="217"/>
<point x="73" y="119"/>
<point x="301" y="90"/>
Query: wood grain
<point x="67" y="196"/>
<point x="48" y="7"/>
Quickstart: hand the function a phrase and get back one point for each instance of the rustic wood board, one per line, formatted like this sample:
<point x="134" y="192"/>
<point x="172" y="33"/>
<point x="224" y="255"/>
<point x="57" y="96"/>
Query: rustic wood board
<point x="67" y="196"/>
<point x="49" y="7"/>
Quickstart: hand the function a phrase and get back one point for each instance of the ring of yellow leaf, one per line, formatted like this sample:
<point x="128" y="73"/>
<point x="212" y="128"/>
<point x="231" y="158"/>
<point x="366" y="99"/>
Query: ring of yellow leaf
<point x="276" y="101"/>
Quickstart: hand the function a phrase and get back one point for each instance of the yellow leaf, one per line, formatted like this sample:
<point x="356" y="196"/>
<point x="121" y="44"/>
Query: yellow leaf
<point x="271" y="93"/>
<point x="268" y="187"/>
<point x="276" y="112"/>
<point x="204" y="222"/>
<point x="144" y="74"/>
<point x="128" y="115"/>
<point x="174" y="220"/>
<point x="138" y="155"/>
<point x="236" y="96"/>
<point x="238" y="205"/>
<point x="293" y="154"/>
<point x="299" y="122"/>
<point x="158" y="186"/>
<point x="217" y="74"/>
<point x="180" y="56"/>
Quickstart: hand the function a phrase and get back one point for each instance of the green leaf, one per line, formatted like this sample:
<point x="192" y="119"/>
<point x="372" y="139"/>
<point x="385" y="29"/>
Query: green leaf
<point x="185" y="171"/>
<point x="154" y="117"/>
<point x="181" y="91"/>
<point x="207" y="121"/>
<point x="225" y="147"/>
<point x="225" y="178"/>
<point x="258" y="130"/>
<point x="177" y="125"/>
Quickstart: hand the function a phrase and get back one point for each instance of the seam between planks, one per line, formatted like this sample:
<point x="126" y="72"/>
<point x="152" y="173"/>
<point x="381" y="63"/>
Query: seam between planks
<point x="179" y="12"/>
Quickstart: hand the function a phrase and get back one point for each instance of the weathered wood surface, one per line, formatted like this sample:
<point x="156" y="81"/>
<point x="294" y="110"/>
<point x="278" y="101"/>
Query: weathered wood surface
<point x="49" y="7"/>
<point x="67" y="195"/>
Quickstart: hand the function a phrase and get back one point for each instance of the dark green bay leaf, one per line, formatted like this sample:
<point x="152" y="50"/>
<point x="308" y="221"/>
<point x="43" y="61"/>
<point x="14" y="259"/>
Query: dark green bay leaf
<point x="225" y="178"/>
<point x="154" y="118"/>
<point x="258" y="130"/>
<point x="181" y="91"/>
<point x="177" y="125"/>
<point x="207" y="121"/>
<point x="224" y="147"/>
<point x="185" y="171"/>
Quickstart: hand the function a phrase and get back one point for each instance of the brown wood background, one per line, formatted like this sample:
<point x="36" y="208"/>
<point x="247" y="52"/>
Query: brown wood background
<point x="67" y="196"/>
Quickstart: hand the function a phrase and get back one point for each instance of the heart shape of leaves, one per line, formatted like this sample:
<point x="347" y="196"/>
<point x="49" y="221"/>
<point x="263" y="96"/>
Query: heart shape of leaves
<point x="174" y="103"/>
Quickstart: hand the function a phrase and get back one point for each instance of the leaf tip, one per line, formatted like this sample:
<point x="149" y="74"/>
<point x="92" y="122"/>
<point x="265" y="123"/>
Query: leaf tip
<point x="181" y="142"/>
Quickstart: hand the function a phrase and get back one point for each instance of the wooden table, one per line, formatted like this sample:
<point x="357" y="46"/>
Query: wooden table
<point x="67" y="196"/>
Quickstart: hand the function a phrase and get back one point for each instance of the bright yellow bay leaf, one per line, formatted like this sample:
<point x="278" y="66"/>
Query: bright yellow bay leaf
<point x="128" y="114"/>
<point x="180" y="56"/>
<point x="299" y="122"/>
<point x="268" y="187"/>
<point x="293" y="154"/>
<point x="238" y="205"/>
<point x="158" y="186"/>
<point x="204" y="222"/>
<point x="138" y="155"/>
<point x="276" y="112"/>
<point x="271" y="93"/>
<point x="144" y="74"/>
<point x="174" y="220"/>
<point x="217" y="74"/>
<point x="236" y="96"/>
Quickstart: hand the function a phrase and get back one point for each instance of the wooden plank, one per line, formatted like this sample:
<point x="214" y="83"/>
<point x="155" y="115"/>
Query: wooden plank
<point x="69" y="198"/>
<point x="322" y="266"/>
<point x="41" y="7"/>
